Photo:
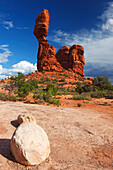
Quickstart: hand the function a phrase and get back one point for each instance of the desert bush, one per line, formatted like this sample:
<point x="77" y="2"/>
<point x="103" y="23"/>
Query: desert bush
<point x="98" y="94"/>
<point x="55" y="81"/>
<point x="42" y="80"/>
<point x="87" y="87"/>
<point x="110" y="95"/>
<point x="81" y="97"/>
<point x="7" y="97"/>
<point x="63" y="70"/>
<point x="43" y="71"/>
<point x="2" y="81"/>
<point x="33" y="84"/>
<point x="79" y="88"/>
<point x="38" y="94"/>
<point x="12" y="78"/>
<point x="79" y="104"/>
<point x="102" y="83"/>
<point x="52" y="88"/>
<point x="66" y="75"/>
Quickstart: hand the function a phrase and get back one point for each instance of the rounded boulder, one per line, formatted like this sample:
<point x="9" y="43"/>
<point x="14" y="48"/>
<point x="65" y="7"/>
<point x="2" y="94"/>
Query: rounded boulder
<point x="30" y="144"/>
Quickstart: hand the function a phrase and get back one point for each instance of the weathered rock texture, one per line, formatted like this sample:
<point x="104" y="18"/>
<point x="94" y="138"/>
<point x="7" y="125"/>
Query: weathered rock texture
<point x="71" y="59"/>
<point x="26" y="118"/>
<point x="30" y="144"/>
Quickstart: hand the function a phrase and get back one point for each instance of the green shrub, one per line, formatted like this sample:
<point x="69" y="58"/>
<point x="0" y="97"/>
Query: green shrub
<point x="12" y="78"/>
<point x="98" y="94"/>
<point x="33" y="84"/>
<point x="87" y="87"/>
<point x="110" y="95"/>
<point x="55" y="81"/>
<point x="63" y="70"/>
<point x="66" y="75"/>
<point x="81" y="97"/>
<point x="38" y="94"/>
<point x="43" y="71"/>
<point x="79" y="88"/>
<point x="52" y="88"/>
<point x="79" y="104"/>
<point x="102" y="83"/>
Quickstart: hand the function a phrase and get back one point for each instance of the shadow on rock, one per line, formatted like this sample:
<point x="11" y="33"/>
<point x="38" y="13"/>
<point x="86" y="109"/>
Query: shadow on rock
<point x="5" y="149"/>
<point x="15" y="123"/>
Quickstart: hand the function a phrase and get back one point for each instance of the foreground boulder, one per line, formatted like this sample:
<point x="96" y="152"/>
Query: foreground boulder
<point x="30" y="144"/>
<point x="26" y="118"/>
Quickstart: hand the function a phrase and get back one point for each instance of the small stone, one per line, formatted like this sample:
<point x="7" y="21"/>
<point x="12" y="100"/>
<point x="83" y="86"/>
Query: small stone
<point x="26" y="118"/>
<point x="30" y="144"/>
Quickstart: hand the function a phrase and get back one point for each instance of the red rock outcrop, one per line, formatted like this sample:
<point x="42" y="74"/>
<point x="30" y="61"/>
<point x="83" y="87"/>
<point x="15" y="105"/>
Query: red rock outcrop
<point x="71" y="59"/>
<point x="46" y="52"/>
<point x="63" y="56"/>
<point x="42" y="25"/>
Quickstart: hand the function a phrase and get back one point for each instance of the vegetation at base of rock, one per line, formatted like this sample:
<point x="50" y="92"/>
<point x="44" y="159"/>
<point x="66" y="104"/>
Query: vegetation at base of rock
<point x="48" y="88"/>
<point x="7" y="97"/>
<point x="79" y="104"/>
<point x="47" y="95"/>
<point x="81" y="97"/>
<point x="102" y="83"/>
<point x="98" y="94"/>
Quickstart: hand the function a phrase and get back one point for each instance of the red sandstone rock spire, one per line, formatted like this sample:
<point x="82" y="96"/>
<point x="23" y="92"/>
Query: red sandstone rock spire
<point x="46" y="53"/>
<point x="71" y="59"/>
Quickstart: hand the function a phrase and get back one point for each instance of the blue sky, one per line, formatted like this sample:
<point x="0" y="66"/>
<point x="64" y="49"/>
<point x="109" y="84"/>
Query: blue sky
<point x="89" y="23"/>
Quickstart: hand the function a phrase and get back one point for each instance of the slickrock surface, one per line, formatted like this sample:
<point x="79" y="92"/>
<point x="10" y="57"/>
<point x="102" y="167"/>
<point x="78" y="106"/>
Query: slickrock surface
<point x="79" y="138"/>
<point x="30" y="144"/>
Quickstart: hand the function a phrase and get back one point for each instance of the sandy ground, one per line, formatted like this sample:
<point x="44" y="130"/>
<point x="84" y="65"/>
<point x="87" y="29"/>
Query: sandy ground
<point x="80" y="139"/>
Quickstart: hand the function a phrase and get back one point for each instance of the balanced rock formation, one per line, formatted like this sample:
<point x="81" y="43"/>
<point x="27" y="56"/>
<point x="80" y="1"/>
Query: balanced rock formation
<point x="30" y="144"/>
<point x="46" y="52"/>
<point x="71" y="59"/>
<point x="26" y="118"/>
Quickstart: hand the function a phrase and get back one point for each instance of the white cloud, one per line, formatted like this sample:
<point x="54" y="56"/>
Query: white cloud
<point x="5" y="54"/>
<point x="98" y="44"/>
<point x="107" y="18"/>
<point x="23" y="67"/>
<point x="8" y="24"/>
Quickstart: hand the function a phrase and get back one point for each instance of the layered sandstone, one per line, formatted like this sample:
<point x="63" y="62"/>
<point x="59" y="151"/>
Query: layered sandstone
<point x="71" y="59"/>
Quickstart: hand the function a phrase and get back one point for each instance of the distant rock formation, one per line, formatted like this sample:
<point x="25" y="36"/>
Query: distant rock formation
<point x="71" y="59"/>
